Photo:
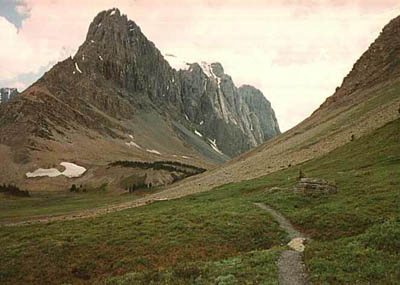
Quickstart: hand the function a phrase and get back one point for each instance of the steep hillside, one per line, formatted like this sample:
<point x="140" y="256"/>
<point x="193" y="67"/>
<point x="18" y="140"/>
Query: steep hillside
<point x="371" y="100"/>
<point x="119" y="99"/>
<point x="380" y="63"/>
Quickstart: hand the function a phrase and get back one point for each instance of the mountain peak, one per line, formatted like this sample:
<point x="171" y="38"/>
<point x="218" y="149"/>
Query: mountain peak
<point x="113" y="13"/>
<point x="116" y="48"/>
<point x="119" y="85"/>
<point x="110" y="24"/>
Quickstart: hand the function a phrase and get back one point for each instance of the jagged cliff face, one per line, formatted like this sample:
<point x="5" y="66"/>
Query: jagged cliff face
<point x="223" y="113"/>
<point x="378" y="64"/>
<point x="118" y="75"/>
<point x="261" y="115"/>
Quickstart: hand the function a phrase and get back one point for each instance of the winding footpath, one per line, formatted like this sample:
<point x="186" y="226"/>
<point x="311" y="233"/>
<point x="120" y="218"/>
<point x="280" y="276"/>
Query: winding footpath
<point x="292" y="270"/>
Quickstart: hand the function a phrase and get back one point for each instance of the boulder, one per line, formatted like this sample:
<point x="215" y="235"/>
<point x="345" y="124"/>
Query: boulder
<point x="297" y="244"/>
<point x="314" y="186"/>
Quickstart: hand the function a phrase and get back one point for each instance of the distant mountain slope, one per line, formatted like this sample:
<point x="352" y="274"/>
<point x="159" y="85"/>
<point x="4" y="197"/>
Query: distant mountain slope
<point x="119" y="98"/>
<point x="368" y="99"/>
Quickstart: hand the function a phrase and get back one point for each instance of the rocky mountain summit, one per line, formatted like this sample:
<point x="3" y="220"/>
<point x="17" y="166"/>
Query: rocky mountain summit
<point x="119" y="97"/>
<point x="202" y="97"/>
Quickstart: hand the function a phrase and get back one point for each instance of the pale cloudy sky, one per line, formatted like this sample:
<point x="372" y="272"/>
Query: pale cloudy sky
<point x="295" y="51"/>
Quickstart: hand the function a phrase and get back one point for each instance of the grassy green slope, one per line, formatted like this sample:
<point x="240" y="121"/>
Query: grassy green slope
<point x="356" y="231"/>
<point x="42" y="204"/>
<point x="220" y="236"/>
<point x="211" y="226"/>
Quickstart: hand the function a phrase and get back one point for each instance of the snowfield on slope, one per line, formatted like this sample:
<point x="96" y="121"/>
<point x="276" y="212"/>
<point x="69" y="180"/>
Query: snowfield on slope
<point x="71" y="170"/>
<point x="198" y="133"/>
<point x="153" y="151"/>
<point x="132" y="143"/>
<point x="213" y="144"/>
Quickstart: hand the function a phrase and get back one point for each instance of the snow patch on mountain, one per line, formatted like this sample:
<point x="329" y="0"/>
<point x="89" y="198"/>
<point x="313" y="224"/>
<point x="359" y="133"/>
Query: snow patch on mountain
<point x="71" y="170"/>
<point x="77" y="67"/>
<point x="153" y="151"/>
<point x="132" y="143"/>
<point x="213" y="144"/>
<point x="208" y="70"/>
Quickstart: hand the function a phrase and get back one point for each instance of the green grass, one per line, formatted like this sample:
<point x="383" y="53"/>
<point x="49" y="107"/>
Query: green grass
<point x="255" y="267"/>
<point x="220" y="237"/>
<point x="367" y="172"/>
<point x="355" y="231"/>
<point x="369" y="258"/>
<point x="14" y="209"/>
<point x="211" y="226"/>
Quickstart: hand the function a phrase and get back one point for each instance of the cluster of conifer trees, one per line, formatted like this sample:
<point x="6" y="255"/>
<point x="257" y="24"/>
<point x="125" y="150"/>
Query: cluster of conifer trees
<point x="171" y="166"/>
<point x="161" y="165"/>
<point x="13" y="190"/>
<point x="77" y="189"/>
<point x="134" y="187"/>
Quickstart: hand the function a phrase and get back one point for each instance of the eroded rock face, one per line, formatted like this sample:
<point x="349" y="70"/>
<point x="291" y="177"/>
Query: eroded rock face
<point x="313" y="186"/>
<point x="261" y="116"/>
<point x="238" y="119"/>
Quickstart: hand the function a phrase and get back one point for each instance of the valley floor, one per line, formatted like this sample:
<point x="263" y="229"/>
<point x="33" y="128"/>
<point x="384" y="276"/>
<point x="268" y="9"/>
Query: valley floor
<point x="221" y="237"/>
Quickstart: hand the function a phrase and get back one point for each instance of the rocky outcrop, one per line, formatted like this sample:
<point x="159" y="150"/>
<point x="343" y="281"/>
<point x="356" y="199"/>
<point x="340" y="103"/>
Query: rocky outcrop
<point x="378" y="64"/>
<point x="315" y="187"/>
<point x="6" y="94"/>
